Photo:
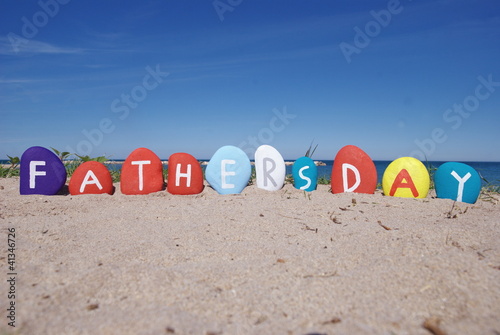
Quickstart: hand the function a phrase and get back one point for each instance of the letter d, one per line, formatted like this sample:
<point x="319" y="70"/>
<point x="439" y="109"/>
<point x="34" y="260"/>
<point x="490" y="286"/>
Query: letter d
<point x="361" y="40"/>
<point x="28" y="30"/>
<point x="51" y="7"/>
<point x="345" y="180"/>
<point x="383" y="17"/>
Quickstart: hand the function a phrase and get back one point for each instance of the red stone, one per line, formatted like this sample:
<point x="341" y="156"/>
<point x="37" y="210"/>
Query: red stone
<point x="142" y="173"/>
<point x="184" y="174"/>
<point x="353" y="171"/>
<point x="91" y="178"/>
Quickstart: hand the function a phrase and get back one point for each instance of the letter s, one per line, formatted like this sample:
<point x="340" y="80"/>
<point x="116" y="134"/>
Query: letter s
<point x="117" y="109"/>
<point x="452" y="118"/>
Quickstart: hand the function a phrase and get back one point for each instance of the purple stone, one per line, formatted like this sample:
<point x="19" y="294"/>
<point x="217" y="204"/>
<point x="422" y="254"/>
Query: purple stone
<point x="42" y="172"/>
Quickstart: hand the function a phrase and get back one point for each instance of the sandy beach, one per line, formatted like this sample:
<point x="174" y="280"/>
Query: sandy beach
<point x="259" y="262"/>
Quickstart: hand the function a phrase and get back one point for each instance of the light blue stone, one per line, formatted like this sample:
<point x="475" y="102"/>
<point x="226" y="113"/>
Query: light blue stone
<point x="457" y="181"/>
<point x="305" y="174"/>
<point x="229" y="170"/>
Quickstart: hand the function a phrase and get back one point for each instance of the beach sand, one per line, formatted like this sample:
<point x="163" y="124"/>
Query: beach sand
<point x="259" y="262"/>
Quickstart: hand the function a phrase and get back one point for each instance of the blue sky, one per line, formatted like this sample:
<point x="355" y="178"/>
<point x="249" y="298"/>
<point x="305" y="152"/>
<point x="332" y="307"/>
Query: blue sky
<point x="387" y="76"/>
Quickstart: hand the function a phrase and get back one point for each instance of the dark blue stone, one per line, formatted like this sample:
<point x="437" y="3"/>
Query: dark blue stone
<point x="41" y="172"/>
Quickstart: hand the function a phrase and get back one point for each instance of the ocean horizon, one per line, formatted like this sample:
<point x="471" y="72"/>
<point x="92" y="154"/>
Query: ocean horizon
<point x="489" y="171"/>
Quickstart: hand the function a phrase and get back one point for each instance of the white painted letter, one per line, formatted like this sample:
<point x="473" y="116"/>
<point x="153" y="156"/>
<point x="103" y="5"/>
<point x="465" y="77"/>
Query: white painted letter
<point x="301" y="175"/>
<point x="179" y="175"/>
<point x="34" y="172"/>
<point x="141" y="175"/>
<point x="224" y="173"/>
<point x="346" y="166"/>
<point x="461" y="183"/>
<point x="88" y="181"/>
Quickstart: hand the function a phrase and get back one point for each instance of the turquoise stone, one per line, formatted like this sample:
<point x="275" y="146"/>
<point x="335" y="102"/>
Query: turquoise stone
<point x="457" y="181"/>
<point x="305" y="174"/>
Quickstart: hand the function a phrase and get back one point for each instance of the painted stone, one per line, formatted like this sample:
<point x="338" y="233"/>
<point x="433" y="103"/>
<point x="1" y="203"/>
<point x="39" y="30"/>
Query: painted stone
<point x="270" y="169"/>
<point x="305" y="174"/>
<point x="41" y="172"/>
<point x="91" y="178"/>
<point x="353" y="171"/>
<point x="142" y="173"/>
<point x="457" y="181"/>
<point x="184" y="174"/>
<point x="229" y="170"/>
<point x="406" y="177"/>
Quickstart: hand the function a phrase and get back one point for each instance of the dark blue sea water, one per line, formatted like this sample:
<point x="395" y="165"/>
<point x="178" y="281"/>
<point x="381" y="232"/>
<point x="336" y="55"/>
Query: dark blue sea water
<point x="489" y="171"/>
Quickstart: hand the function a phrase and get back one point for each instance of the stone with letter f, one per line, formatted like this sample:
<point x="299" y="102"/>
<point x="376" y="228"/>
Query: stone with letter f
<point x="41" y="172"/>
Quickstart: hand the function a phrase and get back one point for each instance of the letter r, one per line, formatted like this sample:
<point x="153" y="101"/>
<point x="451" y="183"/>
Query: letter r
<point x="266" y="173"/>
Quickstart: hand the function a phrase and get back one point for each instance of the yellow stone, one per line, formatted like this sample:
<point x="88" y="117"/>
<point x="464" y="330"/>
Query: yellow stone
<point x="406" y="177"/>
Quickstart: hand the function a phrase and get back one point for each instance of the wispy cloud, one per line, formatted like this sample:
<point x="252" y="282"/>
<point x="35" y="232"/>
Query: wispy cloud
<point x="18" y="81"/>
<point x="19" y="45"/>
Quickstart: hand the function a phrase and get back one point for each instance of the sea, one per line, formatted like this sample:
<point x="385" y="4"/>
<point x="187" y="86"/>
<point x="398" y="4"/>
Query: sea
<point x="489" y="171"/>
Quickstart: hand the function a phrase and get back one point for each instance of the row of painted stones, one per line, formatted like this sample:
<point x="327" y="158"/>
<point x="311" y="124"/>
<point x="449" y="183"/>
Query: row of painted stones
<point x="229" y="171"/>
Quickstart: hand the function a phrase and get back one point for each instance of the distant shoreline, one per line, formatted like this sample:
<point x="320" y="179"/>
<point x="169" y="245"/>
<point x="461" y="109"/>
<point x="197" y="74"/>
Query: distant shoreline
<point x="205" y="162"/>
<point x="489" y="171"/>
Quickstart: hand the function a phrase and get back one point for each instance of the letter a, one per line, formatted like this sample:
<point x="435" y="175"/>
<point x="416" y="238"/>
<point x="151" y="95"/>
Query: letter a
<point x="16" y="41"/>
<point x="348" y="50"/>
<point x="221" y="8"/>
<point x="403" y="175"/>
<point x="88" y="181"/>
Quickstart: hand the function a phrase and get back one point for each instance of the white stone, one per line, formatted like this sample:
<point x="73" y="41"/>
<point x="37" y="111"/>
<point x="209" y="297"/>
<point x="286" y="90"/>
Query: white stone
<point x="270" y="168"/>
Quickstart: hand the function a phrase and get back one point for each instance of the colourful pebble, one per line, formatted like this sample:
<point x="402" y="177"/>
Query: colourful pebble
<point x="91" y="178"/>
<point x="270" y="169"/>
<point x="184" y="174"/>
<point x="229" y="170"/>
<point x="457" y="181"/>
<point x="406" y="177"/>
<point x="353" y="171"/>
<point x="142" y="173"/>
<point x="41" y="172"/>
